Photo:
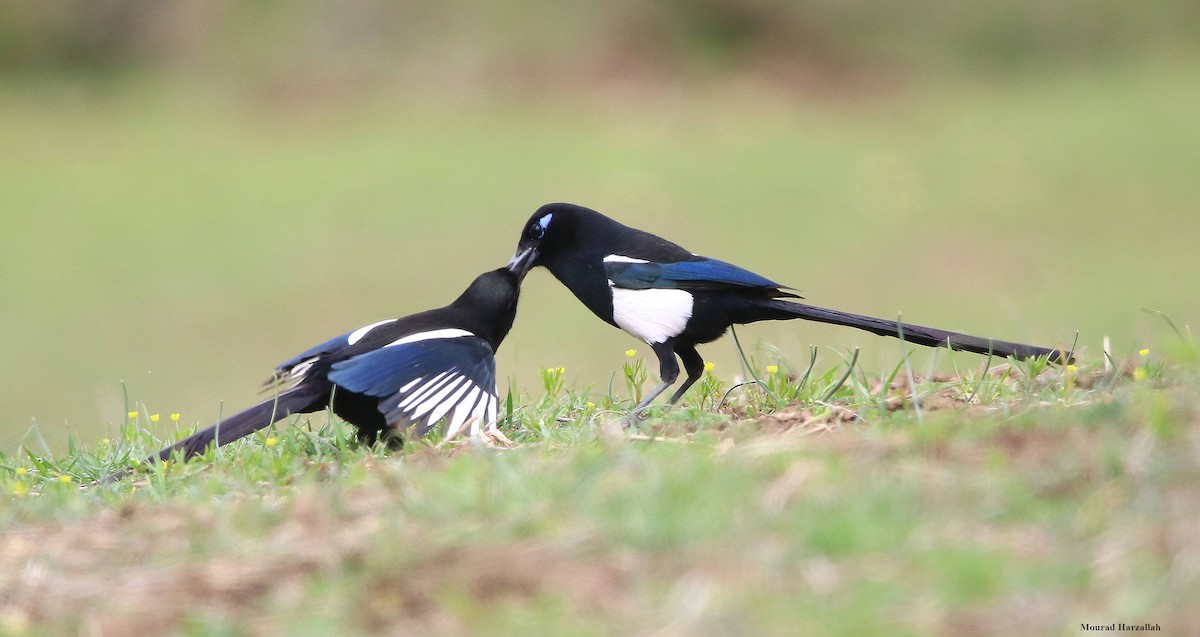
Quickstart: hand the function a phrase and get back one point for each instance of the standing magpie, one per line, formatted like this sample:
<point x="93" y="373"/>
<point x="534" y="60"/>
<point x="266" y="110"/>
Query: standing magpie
<point x="674" y="299"/>
<point x="392" y="378"/>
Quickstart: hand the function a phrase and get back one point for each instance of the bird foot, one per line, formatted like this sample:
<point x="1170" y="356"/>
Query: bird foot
<point x="632" y="420"/>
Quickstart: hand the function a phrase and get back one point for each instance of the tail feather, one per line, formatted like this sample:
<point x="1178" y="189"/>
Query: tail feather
<point x="928" y="336"/>
<point x="237" y="426"/>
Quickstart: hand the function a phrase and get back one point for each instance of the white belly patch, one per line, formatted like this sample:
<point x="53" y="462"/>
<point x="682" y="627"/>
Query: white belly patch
<point x="652" y="315"/>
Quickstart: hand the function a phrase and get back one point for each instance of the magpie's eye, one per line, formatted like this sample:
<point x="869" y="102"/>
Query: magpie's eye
<point x="536" y="231"/>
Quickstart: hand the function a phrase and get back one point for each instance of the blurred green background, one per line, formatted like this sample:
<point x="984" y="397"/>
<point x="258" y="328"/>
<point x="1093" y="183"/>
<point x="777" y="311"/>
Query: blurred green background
<point x="194" y="190"/>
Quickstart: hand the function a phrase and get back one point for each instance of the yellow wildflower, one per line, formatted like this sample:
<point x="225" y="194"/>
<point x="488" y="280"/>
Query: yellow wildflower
<point x="272" y="441"/>
<point x="20" y="488"/>
<point x="631" y="353"/>
<point x="708" y="367"/>
<point x="772" y="369"/>
<point x="590" y="405"/>
<point x="64" y="479"/>
<point x="132" y="414"/>
<point x="22" y="471"/>
<point x="1139" y="373"/>
<point x="175" y="417"/>
<point x="562" y="370"/>
<point x="1144" y="352"/>
<point x="154" y="417"/>
<point x="1072" y="368"/>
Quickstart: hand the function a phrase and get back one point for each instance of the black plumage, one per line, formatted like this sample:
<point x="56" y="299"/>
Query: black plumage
<point x="674" y="299"/>
<point x="391" y="379"/>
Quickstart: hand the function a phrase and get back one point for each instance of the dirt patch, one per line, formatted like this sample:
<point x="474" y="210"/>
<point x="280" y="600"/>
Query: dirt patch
<point x="149" y="568"/>
<point x="806" y="420"/>
<point x="506" y="573"/>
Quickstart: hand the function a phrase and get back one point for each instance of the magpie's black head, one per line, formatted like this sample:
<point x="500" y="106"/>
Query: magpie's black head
<point x="491" y="300"/>
<point x="554" y="229"/>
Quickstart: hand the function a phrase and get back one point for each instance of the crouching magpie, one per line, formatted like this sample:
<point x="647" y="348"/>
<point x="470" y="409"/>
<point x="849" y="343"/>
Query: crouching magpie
<point x="674" y="300"/>
<point x="393" y="378"/>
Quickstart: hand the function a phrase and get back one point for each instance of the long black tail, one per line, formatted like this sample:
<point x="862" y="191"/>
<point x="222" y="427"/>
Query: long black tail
<point x="928" y="336"/>
<point x="237" y="426"/>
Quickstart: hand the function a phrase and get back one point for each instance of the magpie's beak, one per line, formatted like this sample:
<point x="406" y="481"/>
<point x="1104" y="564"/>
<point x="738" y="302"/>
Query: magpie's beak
<point x="522" y="261"/>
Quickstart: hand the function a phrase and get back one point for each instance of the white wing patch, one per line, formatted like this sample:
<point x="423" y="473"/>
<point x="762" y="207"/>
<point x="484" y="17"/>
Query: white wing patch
<point x="616" y="258"/>
<point x="437" y="398"/>
<point x="652" y="315"/>
<point x="462" y="412"/>
<point x="450" y="332"/>
<point x="296" y="373"/>
<point x="450" y="395"/>
<point x="359" y="333"/>
<point x="425" y="388"/>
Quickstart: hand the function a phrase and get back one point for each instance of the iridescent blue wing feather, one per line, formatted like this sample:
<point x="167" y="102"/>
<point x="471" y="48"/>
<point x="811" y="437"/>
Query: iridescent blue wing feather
<point x="701" y="274"/>
<point x="423" y="382"/>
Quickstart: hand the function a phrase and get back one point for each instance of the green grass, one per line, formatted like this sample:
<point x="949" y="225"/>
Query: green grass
<point x="1022" y="499"/>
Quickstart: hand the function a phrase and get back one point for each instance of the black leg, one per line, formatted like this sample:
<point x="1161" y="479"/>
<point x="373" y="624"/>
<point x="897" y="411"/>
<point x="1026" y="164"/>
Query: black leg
<point x="693" y="364"/>
<point x="668" y="371"/>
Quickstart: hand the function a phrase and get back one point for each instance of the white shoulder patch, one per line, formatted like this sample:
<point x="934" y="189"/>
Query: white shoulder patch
<point x="652" y="315"/>
<point x="616" y="258"/>
<point x="450" y="332"/>
<point x="359" y="333"/>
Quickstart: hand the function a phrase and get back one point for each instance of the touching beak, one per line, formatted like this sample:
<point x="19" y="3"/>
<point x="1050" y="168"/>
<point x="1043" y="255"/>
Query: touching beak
<point x="522" y="261"/>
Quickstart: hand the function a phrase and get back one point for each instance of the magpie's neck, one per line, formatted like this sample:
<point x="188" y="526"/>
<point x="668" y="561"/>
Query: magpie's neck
<point x="490" y="323"/>
<point x="488" y="307"/>
<point x="584" y="276"/>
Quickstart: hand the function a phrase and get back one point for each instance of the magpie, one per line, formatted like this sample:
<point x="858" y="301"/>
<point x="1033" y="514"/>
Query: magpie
<point x="394" y="378"/>
<point x="673" y="299"/>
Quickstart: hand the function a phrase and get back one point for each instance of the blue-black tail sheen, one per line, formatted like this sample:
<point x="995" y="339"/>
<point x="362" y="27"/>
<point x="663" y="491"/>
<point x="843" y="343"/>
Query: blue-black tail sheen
<point x="928" y="336"/>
